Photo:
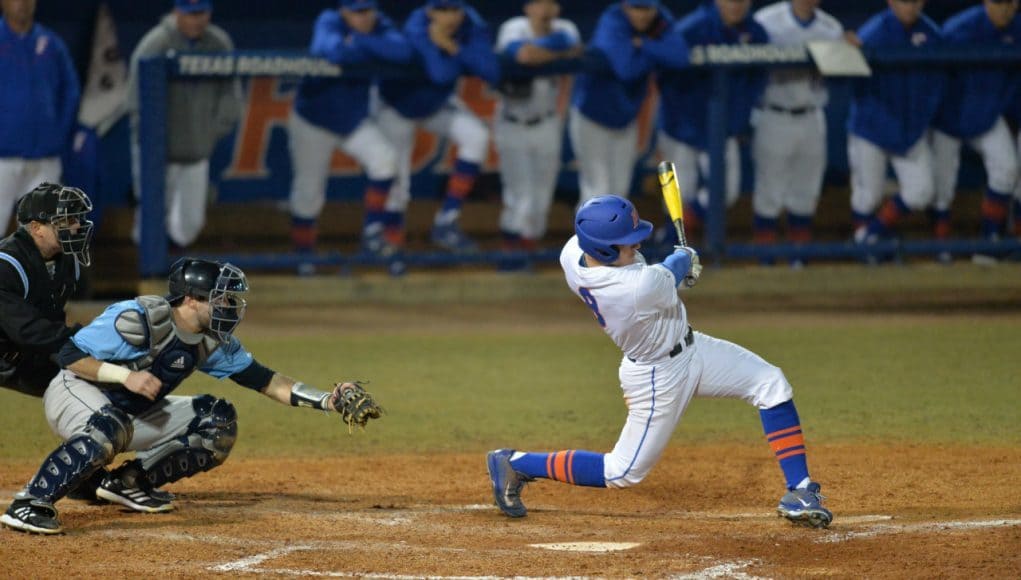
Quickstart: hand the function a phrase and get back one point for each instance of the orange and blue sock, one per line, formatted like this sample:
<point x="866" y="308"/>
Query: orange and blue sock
<point x="376" y="193"/>
<point x="460" y="184"/>
<point x="304" y="233"/>
<point x="573" y="466"/>
<point x="783" y="431"/>
<point x="995" y="206"/>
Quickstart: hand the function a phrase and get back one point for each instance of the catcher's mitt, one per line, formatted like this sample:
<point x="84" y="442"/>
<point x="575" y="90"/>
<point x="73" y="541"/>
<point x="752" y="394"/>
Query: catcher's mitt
<point x="354" y="404"/>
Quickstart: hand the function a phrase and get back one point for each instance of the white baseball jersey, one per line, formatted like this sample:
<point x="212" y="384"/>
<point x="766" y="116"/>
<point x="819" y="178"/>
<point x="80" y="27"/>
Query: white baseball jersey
<point x="640" y="310"/>
<point x="636" y="305"/>
<point x="796" y="88"/>
<point x="546" y="89"/>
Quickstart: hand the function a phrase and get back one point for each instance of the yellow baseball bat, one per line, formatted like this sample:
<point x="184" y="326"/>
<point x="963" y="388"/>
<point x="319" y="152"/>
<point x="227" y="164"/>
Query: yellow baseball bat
<point x="672" y="197"/>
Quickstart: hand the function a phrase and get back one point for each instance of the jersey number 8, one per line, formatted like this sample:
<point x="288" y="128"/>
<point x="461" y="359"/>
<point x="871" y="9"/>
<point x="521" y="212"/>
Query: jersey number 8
<point x="590" y="301"/>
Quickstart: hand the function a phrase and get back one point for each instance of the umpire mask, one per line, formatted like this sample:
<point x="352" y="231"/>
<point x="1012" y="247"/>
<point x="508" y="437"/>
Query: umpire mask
<point x="67" y="210"/>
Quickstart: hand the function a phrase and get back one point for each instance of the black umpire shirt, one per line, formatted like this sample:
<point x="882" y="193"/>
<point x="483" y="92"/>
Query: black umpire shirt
<point x="33" y="326"/>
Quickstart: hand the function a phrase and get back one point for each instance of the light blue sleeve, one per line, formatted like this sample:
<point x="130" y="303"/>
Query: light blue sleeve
<point x="229" y="359"/>
<point x="678" y="264"/>
<point x="101" y="340"/>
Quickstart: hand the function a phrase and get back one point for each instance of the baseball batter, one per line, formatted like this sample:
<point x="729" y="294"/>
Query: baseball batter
<point x="684" y="107"/>
<point x="451" y="40"/>
<point x="334" y="114"/>
<point x="528" y="128"/>
<point x="38" y="103"/>
<point x="891" y="112"/>
<point x="789" y="145"/>
<point x="634" y="37"/>
<point x="114" y="396"/>
<point x="972" y="112"/>
<point x="665" y="365"/>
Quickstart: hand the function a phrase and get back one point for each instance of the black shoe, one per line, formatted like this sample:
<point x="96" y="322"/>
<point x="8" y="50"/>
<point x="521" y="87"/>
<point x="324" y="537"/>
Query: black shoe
<point x="134" y="495"/>
<point x="86" y="490"/>
<point x="32" y="515"/>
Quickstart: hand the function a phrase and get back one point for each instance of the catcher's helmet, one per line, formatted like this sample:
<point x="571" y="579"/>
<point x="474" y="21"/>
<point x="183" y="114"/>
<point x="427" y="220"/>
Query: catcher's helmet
<point x="64" y="208"/>
<point x="604" y="223"/>
<point x="222" y="285"/>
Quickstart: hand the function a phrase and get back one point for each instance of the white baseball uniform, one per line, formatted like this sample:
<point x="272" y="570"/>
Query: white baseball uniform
<point x="664" y="363"/>
<point x="529" y="136"/>
<point x="19" y="176"/>
<point x="454" y="121"/>
<point x="868" y="174"/>
<point x="185" y="199"/>
<point x="789" y="145"/>
<point x="999" y="155"/>
<point x="312" y="148"/>
<point x="693" y="162"/>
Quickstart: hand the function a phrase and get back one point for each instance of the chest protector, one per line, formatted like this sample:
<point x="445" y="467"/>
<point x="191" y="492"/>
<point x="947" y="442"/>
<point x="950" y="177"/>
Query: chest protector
<point x="154" y="329"/>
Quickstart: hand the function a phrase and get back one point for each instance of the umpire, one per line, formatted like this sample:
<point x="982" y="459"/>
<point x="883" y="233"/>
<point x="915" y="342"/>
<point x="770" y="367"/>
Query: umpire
<point x="40" y="267"/>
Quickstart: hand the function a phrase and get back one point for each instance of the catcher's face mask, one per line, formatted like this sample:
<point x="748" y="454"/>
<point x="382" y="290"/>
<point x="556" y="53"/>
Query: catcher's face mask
<point x="226" y="302"/>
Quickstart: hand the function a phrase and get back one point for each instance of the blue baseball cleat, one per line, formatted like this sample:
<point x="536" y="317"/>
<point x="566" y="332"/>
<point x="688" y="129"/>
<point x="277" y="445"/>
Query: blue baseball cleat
<point x="450" y="237"/>
<point x="804" y="506"/>
<point x="507" y="483"/>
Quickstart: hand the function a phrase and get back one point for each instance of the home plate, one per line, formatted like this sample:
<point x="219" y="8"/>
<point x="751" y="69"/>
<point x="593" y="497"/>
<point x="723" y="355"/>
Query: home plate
<point x="587" y="546"/>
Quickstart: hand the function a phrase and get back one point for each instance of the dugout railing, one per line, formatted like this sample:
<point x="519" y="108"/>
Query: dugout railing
<point x="155" y="74"/>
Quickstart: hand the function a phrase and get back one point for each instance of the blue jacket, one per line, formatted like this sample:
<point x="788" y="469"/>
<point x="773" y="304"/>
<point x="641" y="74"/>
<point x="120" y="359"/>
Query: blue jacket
<point x="341" y="104"/>
<point x="421" y="98"/>
<point x="685" y="95"/>
<point x="895" y="106"/>
<point x="39" y="93"/>
<point x="613" y="98"/>
<point x="975" y="97"/>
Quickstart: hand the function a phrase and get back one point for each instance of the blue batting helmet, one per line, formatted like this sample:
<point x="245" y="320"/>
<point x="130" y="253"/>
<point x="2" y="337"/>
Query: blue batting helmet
<point x="604" y="223"/>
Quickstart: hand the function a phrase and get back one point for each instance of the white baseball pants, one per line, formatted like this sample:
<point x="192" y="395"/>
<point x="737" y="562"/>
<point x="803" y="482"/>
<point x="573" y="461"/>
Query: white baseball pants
<point x="790" y="161"/>
<point x="657" y="395"/>
<point x="454" y="121"/>
<point x="529" y="165"/>
<point x="868" y="174"/>
<point x="312" y="149"/>
<point x="185" y="199"/>
<point x="20" y="176"/>
<point x="606" y="157"/>
<point x="999" y="155"/>
<point x="692" y="162"/>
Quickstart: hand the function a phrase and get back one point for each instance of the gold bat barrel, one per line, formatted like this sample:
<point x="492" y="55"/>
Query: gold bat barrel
<point x="671" y="190"/>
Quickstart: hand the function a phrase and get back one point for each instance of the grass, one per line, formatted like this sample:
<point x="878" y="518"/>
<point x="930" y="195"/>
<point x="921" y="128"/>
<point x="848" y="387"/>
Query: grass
<point x="944" y="380"/>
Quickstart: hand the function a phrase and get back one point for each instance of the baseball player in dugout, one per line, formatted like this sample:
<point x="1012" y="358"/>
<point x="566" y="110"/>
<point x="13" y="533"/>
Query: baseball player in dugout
<point x="450" y="40"/>
<point x="528" y="127"/>
<point x="664" y="365"/>
<point x="334" y="113"/>
<point x="114" y="395"/>
<point x="38" y="103"/>
<point x="789" y="143"/>
<point x="890" y="117"/>
<point x="199" y="113"/>
<point x="40" y="265"/>
<point x="972" y="111"/>
<point x="684" y="105"/>
<point x="634" y="37"/>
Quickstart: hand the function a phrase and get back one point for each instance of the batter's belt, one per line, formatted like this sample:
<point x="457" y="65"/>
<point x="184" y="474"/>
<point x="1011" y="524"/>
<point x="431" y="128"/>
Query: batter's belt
<point x="687" y="341"/>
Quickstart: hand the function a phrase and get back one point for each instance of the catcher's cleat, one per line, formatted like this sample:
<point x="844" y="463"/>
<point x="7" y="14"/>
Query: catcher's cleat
<point x="507" y="483"/>
<point x="32" y="515"/>
<point x="86" y="490"/>
<point x="804" y="507"/>
<point x="450" y="237"/>
<point x="150" y="501"/>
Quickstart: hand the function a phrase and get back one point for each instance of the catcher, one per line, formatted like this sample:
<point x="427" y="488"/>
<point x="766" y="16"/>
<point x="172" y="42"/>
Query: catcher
<point x="114" y="396"/>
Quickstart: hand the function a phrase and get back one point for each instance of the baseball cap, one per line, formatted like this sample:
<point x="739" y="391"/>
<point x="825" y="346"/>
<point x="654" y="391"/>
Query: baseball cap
<point x="445" y="3"/>
<point x="193" y="5"/>
<point x="643" y="3"/>
<point x="358" y="4"/>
